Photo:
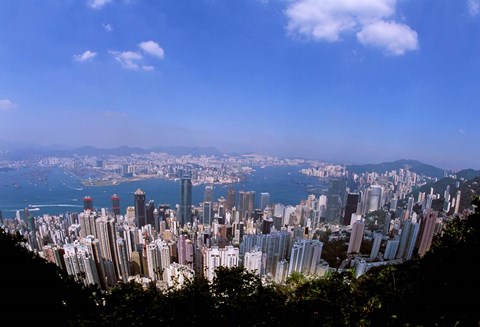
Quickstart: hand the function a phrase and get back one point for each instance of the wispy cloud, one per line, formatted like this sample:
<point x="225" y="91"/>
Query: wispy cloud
<point x="87" y="55"/>
<point x="98" y="4"/>
<point x="395" y="38"/>
<point x="6" y="104"/>
<point x="473" y="7"/>
<point x="135" y="60"/>
<point x="148" y="68"/>
<point x="462" y="131"/>
<point x="152" y="48"/>
<point x="128" y="59"/>
<point x="328" y="20"/>
<point x="108" y="27"/>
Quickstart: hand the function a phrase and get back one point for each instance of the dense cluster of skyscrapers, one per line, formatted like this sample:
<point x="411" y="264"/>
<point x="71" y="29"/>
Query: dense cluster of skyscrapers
<point x="160" y="244"/>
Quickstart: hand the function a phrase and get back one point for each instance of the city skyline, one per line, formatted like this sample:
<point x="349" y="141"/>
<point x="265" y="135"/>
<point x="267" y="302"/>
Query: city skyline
<point x="373" y="81"/>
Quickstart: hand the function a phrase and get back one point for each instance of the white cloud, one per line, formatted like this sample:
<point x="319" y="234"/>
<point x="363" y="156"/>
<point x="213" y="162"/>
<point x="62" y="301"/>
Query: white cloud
<point x="135" y="60"/>
<point x="87" y="55"/>
<point x="128" y="59"/>
<point x="473" y="7"/>
<point x="327" y="20"/>
<point x="6" y="104"/>
<point x="108" y="27"/>
<point x="148" y="68"/>
<point x="395" y="38"/>
<point x="152" y="48"/>
<point x="98" y="4"/>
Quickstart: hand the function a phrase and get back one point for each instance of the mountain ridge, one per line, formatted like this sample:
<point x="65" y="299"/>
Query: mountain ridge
<point x="410" y="164"/>
<point x="35" y="151"/>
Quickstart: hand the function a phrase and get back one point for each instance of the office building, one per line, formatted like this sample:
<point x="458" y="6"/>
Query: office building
<point x="208" y="193"/>
<point x="231" y="200"/>
<point x="264" y="200"/>
<point x="115" y="204"/>
<point x="207" y="213"/>
<point x="185" y="201"/>
<point x="150" y="213"/>
<point x="350" y="207"/>
<point x="87" y="203"/>
<point x="139" y="203"/>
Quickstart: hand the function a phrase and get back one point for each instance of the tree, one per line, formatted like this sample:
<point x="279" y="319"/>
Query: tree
<point x="44" y="292"/>
<point x="439" y="289"/>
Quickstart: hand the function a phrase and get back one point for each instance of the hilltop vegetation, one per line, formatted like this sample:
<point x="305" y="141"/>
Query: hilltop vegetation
<point x="412" y="165"/>
<point x="435" y="290"/>
<point x="468" y="189"/>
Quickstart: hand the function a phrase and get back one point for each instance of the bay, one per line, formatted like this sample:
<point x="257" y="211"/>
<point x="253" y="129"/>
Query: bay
<point x="55" y="191"/>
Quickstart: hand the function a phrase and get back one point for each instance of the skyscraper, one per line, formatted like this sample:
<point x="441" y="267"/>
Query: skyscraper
<point x="335" y="198"/>
<point x="351" y="207"/>
<point x="150" y="213"/>
<point x="408" y="238"/>
<point x="264" y="200"/>
<point x="377" y="241"/>
<point x="410" y="204"/>
<point x="231" y="200"/>
<point x="115" y="204"/>
<point x="243" y="202"/>
<point x="305" y="255"/>
<point x="391" y="249"/>
<point x="356" y="237"/>
<point x="107" y="236"/>
<point x="427" y="231"/>
<point x="374" y="198"/>
<point x="208" y="193"/>
<point x="163" y="211"/>
<point x="185" y="200"/>
<point x="250" y="202"/>
<point x="87" y="203"/>
<point x="207" y="213"/>
<point x="457" y="202"/>
<point x="139" y="202"/>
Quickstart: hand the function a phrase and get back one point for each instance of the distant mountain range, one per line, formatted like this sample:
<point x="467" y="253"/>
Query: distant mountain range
<point x="29" y="153"/>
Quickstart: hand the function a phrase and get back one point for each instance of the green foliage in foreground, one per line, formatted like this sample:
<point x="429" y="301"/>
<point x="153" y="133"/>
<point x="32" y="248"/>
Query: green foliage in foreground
<point x="440" y="289"/>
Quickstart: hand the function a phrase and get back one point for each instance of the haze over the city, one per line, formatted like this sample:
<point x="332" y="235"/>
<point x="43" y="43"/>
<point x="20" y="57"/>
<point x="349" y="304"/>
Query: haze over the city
<point x="361" y="81"/>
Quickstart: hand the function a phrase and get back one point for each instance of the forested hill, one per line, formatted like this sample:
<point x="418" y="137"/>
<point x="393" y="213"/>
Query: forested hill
<point x="412" y="165"/>
<point x="467" y="174"/>
<point x="468" y="188"/>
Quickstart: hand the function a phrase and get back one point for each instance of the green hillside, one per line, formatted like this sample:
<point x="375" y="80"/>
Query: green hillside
<point x="413" y="165"/>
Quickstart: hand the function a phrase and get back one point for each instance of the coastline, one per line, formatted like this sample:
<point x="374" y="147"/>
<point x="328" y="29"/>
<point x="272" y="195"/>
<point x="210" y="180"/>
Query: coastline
<point x="116" y="181"/>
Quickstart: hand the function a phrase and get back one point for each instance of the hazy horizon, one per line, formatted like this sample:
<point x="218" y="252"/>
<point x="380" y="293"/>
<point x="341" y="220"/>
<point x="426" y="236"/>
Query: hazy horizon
<point x="63" y="147"/>
<point x="368" y="81"/>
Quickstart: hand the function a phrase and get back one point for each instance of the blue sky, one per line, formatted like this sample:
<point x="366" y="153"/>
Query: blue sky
<point x="355" y="80"/>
